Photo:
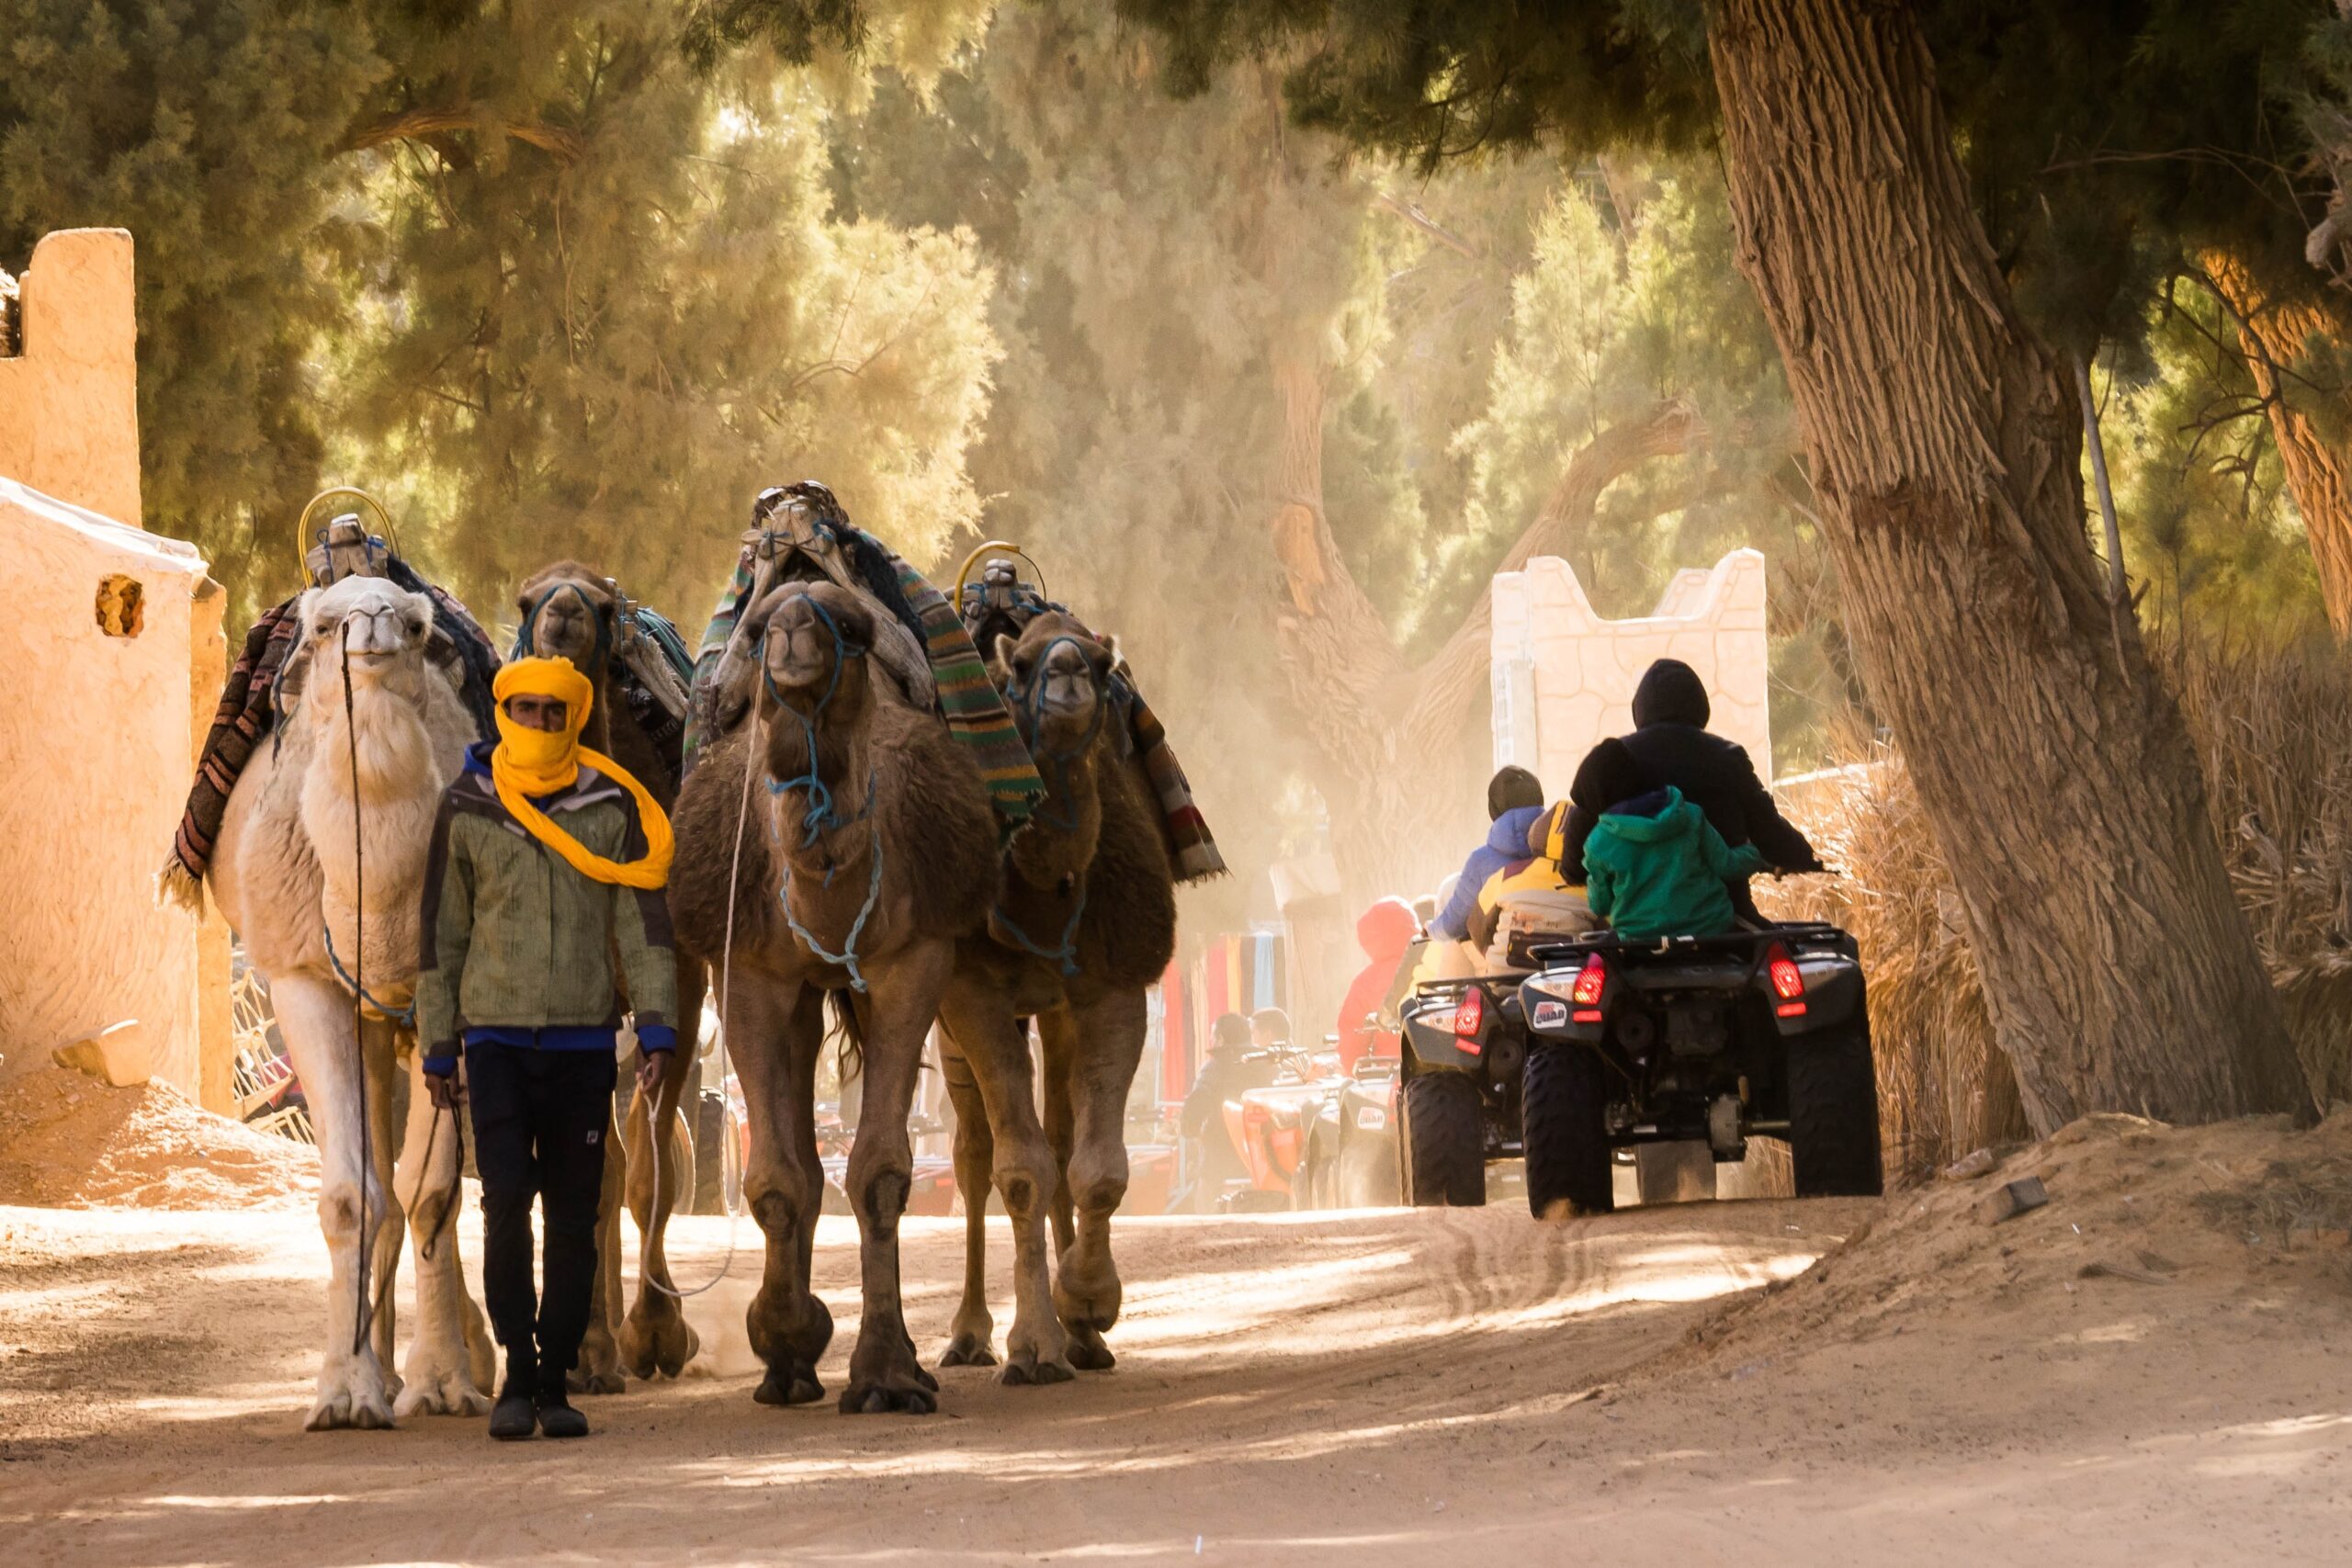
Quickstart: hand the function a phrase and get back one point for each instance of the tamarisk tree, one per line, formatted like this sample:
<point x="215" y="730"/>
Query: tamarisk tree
<point x="1945" y="447"/>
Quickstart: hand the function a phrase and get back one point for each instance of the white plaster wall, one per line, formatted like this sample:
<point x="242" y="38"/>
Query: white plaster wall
<point x="69" y="404"/>
<point x="1563" y="678"/>
<point x="97" y="733"/>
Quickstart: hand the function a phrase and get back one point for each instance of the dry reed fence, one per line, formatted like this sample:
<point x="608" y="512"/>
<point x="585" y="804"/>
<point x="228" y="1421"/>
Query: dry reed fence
<point x="2273" y="731"/>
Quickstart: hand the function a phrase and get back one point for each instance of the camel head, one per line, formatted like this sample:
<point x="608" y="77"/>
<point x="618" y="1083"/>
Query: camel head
<point x="813" y="644"/>
<point x="1057" y="677"/>
<point x="388" y="634"/>
<point x="568" y="610"/>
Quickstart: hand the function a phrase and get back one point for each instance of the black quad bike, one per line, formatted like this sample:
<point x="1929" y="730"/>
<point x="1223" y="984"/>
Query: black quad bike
<point x="1702" y="1043"/>
<point x="1462" y="1044"/>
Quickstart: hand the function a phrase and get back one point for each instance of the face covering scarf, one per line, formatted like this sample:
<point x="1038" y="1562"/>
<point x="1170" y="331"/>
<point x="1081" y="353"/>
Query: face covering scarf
<point x="530" y="763"/>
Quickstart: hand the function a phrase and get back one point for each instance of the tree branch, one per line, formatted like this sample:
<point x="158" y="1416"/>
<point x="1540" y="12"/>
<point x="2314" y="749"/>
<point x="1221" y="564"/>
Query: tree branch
<point x="1411" y="213"/>
<point x="416" y="125"/>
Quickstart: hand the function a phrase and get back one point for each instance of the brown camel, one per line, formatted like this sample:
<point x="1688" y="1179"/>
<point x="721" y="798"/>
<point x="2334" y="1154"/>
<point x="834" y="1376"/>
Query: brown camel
<point x="568" y="610"/>
<point x="871" y="851"/>
<point x="1085" y="925"/>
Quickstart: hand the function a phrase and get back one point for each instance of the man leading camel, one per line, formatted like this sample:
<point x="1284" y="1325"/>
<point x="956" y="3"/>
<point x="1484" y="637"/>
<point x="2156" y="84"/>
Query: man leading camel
<point x="547" y="859"/>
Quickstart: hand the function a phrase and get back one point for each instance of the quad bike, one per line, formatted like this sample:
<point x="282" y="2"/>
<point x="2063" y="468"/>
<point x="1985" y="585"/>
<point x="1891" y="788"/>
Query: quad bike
<point x="1269" y="1126"/>
<point x="1457" y="1095"/>
<point x="1351" y="1143"/>
<point x="1680" y="1050"/>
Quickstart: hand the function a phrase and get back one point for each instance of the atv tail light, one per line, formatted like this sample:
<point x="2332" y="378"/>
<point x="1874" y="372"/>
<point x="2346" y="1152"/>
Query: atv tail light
<point x="1469" y="1018"/>
<point x="1788" y="981"/>
<point x="1588" y="1015"/>
<point x="1591" y="980"/>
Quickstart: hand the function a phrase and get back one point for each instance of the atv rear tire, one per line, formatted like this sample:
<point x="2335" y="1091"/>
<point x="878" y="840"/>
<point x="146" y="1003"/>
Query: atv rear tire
<point x="1681" y="1172"/>
<point x="1444" y="1143"/>
<point x="1366" y="1174"/>
<point x="1833" y="1114"/>
<point x="1563" y="1131"/>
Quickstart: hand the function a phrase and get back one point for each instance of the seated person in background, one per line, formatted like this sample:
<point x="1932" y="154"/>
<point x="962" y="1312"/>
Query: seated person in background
<point x="1670" y="746"/>
<point x="1232" y="1067"/>
<point x="1655" y="867"/>
<point x="1514" y="800"/>
<point x="1531" y="887"/>
<point x="1269" y="1029"/>
<point x="1385" y="931"/>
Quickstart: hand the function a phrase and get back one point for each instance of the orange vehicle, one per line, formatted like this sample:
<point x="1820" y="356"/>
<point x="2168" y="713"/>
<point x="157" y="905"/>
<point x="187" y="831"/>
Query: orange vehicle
<point x="1270" y="1127"/>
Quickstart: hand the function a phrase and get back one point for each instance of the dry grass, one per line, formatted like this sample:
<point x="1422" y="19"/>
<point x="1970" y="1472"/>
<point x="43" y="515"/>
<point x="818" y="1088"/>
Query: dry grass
<point x="2273" y="729"/>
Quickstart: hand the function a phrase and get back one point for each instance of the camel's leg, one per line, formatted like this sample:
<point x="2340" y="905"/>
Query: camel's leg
<point x="1057" y="1045"/>
<point x="440" y="1372"/>
<point x="773" y="1031"/>
<point x="599" y="1371"/>
<point x="1110" y="1032"/>
<point x="884" y="1373"/>
<point x="315" y="1018"/>
<point x="997" y="1047"/>
<point x="378" y="1041"/>
<point x="656" y="1336"/>
<point x="969" y="1340"/>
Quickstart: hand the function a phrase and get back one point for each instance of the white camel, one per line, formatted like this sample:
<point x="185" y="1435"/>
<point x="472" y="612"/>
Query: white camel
<point x="287" y="876"/>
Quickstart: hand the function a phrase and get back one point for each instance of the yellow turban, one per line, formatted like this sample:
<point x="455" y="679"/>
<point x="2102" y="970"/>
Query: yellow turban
<point x="530" y="763"/>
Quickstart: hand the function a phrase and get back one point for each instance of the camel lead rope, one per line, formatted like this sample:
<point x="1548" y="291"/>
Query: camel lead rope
<point x="364" y="1306"/>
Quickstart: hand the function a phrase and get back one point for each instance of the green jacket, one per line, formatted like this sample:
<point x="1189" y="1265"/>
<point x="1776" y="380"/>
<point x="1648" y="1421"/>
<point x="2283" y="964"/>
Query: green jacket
<point x="514" y="937"/>
<point x="1656" y="867"/>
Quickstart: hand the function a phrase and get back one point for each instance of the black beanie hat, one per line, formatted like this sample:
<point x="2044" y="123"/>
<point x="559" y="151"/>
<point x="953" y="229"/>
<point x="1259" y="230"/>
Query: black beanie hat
<point x="1670" y="693"/>
<point x="1511" y="788"/>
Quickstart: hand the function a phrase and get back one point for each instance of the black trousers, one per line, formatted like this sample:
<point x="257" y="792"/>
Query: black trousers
<point x="540" y="1118"/>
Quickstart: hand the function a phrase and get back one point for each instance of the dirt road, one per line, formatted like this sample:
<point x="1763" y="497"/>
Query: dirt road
<point x="1407" y="1387"/>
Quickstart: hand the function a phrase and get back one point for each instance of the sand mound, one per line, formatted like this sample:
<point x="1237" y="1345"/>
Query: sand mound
<point x="2173" y="1222"/>
<point x="70" y="1141"/>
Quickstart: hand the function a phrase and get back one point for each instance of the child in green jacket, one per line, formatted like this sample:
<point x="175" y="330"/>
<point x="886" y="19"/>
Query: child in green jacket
<point x="1656" y="867"/>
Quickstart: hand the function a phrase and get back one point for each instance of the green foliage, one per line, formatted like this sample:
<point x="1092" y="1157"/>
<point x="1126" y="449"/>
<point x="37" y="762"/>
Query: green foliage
<point x="2208" y="524"/>
<point x="518" y="267"/>
<point x="209" y="129"/>
<point x="608" y="353"/>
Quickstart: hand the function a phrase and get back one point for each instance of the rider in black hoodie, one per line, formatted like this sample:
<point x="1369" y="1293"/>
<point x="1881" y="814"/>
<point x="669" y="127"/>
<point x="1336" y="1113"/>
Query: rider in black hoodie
<point x="1670" y="745"/>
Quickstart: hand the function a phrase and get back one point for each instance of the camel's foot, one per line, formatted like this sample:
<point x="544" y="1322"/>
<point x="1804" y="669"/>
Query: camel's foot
<point x="1086" y="1290"/>
<point x="652" y="1341"/>
<point x="580" y="1379"/>
<point x="1086" y="1351"/>
<point x="440" y="1382"/>
<point x="352" y="1396"/>
<point x="1027" y="1365"/>
<point x="968" y="1349"/>
<point x="790" y="1380"/>
<point x="599" y="1371"/>
<point x="884" y="1377"/>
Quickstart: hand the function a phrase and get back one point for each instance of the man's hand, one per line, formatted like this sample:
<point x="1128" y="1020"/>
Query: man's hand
<point x="444" y="1090"/>
<point x="652" y="1067"/>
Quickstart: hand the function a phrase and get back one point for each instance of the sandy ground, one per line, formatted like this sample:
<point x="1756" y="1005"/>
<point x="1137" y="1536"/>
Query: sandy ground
<point x="1657" y="1386"/>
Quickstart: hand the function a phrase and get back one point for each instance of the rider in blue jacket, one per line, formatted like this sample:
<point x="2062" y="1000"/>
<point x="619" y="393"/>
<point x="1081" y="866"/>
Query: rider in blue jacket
<point x="1514" y="800"/>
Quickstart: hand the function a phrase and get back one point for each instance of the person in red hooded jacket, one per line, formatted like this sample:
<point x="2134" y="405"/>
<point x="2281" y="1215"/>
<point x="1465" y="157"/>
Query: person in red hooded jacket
<point x="1384" y="931"/>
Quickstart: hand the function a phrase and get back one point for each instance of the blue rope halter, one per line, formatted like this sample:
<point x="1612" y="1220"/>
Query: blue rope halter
<point x="847" y="956"/>
<point x="822" y="813"/>
<point x="1029" y="703"/>
<point x="1065" y="955"/>
<point x="403" y="1019"/>
<point x="525" y="638"/>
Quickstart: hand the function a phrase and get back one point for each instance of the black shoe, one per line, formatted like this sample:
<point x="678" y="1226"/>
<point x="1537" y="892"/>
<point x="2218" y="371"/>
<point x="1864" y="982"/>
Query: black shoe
<point x="556" y="1417"/>
<point x="513" y="1417"/>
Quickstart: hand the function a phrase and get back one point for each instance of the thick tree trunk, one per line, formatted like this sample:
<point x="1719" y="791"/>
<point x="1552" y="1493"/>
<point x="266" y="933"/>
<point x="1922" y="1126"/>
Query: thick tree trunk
<point x="2319" y="475"/>
<point x="2120" y="972"/>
